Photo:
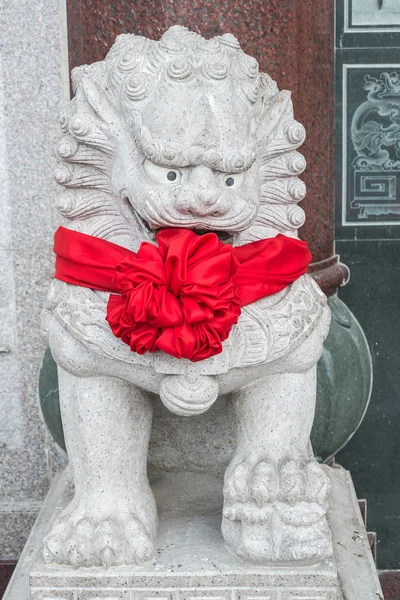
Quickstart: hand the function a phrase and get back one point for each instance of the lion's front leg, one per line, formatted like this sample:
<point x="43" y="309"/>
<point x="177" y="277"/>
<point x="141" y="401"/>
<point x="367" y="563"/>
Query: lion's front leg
<point x="275" y="492"/>
<point x="112" y="516"/>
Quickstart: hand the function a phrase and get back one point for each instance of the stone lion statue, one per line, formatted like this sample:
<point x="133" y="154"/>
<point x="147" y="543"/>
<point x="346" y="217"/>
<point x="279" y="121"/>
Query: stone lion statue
<point x="185" y="132"/>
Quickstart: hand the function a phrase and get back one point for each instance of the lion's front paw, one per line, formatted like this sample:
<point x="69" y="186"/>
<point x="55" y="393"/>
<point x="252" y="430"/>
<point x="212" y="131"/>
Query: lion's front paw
<point x="276" y="512"/>
<point x="80" y="539"/>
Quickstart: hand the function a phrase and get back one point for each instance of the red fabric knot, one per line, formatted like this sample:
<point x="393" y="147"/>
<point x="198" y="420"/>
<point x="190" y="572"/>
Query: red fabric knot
<point x="184" y="295"/>
<point x="178" y="297"/>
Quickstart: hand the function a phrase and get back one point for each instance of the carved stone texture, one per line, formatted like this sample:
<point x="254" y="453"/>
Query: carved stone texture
<point x="185" y="132"/>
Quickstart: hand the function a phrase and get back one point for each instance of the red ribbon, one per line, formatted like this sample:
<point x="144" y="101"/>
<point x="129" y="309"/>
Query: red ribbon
<point x="184" y="295"/>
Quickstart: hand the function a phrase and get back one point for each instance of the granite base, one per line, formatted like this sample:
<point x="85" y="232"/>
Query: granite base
<point x="192" y="561"/>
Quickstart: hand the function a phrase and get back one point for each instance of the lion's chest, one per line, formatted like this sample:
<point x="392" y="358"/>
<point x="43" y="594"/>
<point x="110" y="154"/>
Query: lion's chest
<point x="266" y="331"/>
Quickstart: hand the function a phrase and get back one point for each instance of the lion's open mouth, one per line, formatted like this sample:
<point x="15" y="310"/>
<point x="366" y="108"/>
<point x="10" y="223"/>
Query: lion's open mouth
<point x="149" y="230"/>
<point x="224" y="236"/>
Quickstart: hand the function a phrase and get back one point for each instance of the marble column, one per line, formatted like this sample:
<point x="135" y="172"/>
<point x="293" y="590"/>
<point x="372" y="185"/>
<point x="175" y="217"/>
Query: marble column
<point x="30" y="99"/>
<point x="293" y="42"/>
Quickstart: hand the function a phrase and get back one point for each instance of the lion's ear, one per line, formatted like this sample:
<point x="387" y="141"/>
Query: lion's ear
<point x="278" y="137"/>
<point x="276" y="111"/>
<point x="100" y="105"/>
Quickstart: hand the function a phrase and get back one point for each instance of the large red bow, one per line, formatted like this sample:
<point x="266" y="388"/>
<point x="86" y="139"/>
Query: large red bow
<point x="184" y="295"/>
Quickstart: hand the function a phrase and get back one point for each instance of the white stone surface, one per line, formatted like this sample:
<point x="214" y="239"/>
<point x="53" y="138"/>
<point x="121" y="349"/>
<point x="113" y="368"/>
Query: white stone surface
<point x="191" y="560"/>
<point x="30" y="97"/>
<point x="11" y="431"/>
<point x="201" y="110"/>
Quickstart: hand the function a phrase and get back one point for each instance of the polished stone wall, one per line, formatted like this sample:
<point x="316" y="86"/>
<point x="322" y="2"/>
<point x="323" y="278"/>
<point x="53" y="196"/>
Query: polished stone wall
<point x="30" y="98"/>
<point x="373" y="455"/>
<point x="368" y="241"/>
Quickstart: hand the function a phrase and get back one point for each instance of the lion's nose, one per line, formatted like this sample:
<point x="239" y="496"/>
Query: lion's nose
<point x="202" y="204"/>
<point x="203" y="195"/>
<point x="209" y="203"/>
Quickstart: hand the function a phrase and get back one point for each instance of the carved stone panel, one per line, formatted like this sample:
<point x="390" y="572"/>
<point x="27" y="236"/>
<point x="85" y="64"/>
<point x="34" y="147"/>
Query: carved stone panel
<point x="371" y="145"/>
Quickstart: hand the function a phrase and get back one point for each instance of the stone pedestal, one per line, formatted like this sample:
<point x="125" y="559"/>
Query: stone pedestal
<point x="192" y="561"/>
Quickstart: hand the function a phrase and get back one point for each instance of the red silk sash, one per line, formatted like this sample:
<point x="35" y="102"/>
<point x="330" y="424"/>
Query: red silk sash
<point x="184" y="295"/>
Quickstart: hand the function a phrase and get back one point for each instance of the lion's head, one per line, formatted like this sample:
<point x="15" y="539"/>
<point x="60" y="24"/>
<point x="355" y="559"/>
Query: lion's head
<point x="180" y="132"/>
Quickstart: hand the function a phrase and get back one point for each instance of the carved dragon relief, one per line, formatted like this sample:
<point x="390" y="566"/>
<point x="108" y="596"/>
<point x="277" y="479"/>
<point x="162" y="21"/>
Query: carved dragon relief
<point x="198" y="109"/>
<point x="375" y="135"/>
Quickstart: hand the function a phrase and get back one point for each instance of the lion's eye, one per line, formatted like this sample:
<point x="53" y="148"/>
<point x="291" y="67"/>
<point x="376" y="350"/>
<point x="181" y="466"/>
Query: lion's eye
<point x="162" y="174"/>
<point x="233" y="180"/>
